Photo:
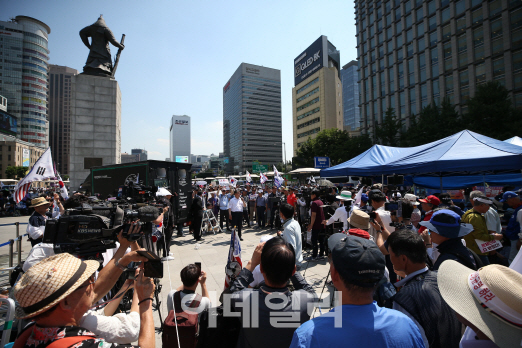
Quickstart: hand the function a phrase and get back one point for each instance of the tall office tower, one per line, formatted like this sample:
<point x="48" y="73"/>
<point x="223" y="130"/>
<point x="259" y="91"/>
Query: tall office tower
<point x="412" y="53"/>
<point x="60" y="115"/>
<point x="252" y="118"/>
<point x="24" y="72"/>
<point x="317" y="96"/>
<point x="142" y="154"/>
<point x="180" y="138"/>
<point x="350" y="82"/>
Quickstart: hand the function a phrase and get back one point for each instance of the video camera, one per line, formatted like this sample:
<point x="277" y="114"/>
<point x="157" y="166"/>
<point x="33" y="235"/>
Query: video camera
<point x="88" y="231"/>
<point x="138" y="193"/>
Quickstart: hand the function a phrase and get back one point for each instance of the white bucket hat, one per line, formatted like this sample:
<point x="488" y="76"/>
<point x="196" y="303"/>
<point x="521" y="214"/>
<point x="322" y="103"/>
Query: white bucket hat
<point x="411" y="198"/>
<point x="345" y="196"/>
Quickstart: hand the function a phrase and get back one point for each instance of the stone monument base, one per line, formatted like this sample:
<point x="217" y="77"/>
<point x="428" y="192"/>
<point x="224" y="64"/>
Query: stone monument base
<point x="95" y="125"/>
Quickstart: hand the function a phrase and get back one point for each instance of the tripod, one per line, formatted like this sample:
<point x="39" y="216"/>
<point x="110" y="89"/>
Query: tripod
<point x="332" y="297"/>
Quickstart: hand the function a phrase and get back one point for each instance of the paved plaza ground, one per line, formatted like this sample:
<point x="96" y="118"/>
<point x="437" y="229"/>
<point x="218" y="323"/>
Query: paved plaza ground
<point x="212" y="253"/>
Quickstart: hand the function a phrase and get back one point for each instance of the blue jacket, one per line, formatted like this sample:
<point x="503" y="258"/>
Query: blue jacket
<point x="513" y="227"/>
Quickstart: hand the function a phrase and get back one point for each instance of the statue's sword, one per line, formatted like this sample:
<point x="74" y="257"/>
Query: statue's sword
<point x="117" y="56"/>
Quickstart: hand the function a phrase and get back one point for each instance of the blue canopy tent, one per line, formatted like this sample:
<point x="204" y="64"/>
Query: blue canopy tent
<point x="514" y="141"/>
<point x="464" y="153"/>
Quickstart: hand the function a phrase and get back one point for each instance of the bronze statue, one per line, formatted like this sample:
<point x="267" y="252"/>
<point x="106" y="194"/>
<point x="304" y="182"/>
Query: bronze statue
<point x="99" y="61"/>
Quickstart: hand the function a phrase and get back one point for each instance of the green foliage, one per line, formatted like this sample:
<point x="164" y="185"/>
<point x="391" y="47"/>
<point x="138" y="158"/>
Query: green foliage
<point x="388" y="133"/>
<point x="65" y="177"/>
<point x="16" y="172"/>
<point x="334" y="143"/>
<point x="490" y="112"/>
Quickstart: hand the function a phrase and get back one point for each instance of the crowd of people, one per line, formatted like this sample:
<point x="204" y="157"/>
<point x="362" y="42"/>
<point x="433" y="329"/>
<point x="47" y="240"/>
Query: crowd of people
<point x="408" y="271"/>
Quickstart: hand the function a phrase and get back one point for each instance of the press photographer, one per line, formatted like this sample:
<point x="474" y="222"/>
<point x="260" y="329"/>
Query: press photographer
<point x="59" y="290"/>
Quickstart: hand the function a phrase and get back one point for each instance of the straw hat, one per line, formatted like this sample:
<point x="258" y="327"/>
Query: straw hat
<point x="38" y="202"/>
<point x="50" y="281"/>
<point x="359" y="219"/>
<point x="490" y="299"/>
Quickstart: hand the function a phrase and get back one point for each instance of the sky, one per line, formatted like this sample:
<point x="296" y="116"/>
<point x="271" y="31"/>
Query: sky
<point x="179" y="54"/>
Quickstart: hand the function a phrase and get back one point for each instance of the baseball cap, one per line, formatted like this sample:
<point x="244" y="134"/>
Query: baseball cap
<point x="507" y="195"/>
<point x="431" y="199"/>
<point x="358" y="261"/>
<point x="447" y="223"/>
<point x="364" y="197"/>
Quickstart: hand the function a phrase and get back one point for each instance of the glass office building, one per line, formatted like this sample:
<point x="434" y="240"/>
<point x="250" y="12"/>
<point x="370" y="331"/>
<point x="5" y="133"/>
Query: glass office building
<point x="252" y="118"/>
<point x="60" y="86"/>
<point x="24" y="75"/>
<point x="350" y="82"/>
<point x="412" y="53"/>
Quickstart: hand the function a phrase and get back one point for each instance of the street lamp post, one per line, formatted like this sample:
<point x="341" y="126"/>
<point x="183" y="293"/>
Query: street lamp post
<point x="284" y="149"/>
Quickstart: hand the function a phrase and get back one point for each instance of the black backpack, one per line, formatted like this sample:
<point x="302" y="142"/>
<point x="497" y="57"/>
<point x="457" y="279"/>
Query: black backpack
<point x="225" y="333"/>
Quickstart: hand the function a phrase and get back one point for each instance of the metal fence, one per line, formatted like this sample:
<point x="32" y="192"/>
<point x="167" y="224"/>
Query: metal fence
<point x="10" y="243"/>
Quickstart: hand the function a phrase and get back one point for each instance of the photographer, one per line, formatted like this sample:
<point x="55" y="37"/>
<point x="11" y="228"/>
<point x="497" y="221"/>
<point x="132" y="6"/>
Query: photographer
<point x="377" y="201"/>
<point x="316" y="226"/>
<point x="341" y="213"/>
<point x="191" y="276"/>
<point x="69" y="291"/>
<point x="272" y="206"/>
<point x="164" y="197"/>
<point x="270" y="314"/>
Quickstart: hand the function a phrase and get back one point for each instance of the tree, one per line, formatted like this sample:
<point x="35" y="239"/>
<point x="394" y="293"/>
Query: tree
<point x="14" y="172"/>
<point x="388" y="132"/>
<point x="65" y="177"/>
<point x="491" y="113"/>
<point x="434" y="122"/>
<point x="334" y="143"/>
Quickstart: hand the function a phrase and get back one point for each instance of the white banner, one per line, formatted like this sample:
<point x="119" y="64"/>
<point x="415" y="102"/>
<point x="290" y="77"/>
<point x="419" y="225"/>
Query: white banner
<point x="223" y="182"/>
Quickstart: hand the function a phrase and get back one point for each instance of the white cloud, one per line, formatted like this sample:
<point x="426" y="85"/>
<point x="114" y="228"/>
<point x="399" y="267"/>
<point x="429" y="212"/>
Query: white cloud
<point x="163" y="142"/>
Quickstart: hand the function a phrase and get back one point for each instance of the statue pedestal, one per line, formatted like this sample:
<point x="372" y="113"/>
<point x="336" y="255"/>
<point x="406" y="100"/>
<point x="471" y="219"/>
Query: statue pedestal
<point x="95" y="125"/>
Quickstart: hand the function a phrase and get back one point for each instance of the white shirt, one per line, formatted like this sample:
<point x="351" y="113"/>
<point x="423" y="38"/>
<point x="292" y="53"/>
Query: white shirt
<point x="120" y="328"/>
<point x="258" y="277"/>
<point x="493" y="220"/>
<point x="340" y="214"/>
<point x="236" y="204"/>
<point x="186" y="300"/>
<point x="292" y="235"/>
<point x="386" y="220"/>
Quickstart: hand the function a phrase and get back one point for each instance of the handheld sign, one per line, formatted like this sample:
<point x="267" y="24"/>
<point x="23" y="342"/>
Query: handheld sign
<point x="488" y="246"/>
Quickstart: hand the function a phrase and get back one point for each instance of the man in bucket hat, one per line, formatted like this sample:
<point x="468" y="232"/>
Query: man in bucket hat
<point x="36" y="225"/>
<point x="487" y="301"/>
<point x="446" y="236"/>
<point x="57" y="291"/>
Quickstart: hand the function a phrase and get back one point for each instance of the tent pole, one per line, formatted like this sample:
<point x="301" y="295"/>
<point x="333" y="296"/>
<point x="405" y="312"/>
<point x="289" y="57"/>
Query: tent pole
<point x="484" y="182"/>
<point x="382" y="179"/>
